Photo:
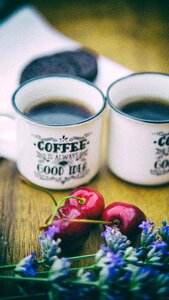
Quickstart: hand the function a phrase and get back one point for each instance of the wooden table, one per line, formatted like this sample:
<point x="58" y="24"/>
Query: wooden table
<point x="135" y="35"/>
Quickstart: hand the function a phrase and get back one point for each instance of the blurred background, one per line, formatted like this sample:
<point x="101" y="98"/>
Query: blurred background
<point x="133" y="33"/>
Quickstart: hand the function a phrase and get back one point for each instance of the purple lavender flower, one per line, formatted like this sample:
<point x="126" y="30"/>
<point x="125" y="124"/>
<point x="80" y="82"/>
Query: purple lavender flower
<point x="160" y="247"/>
<point x="110" y="266"/>
<point x="51" y="231"/>
<point x="164" y="232"/>
<point x="60" y="279"/>
<point x="122" y="272"/>
<point x="158" y="253"/>
<point x="59" y="270"/>
<point x="115" y="260"/>
<point x="115" y="240"/>
<point x="148" y="237"/>
<point x="27" y="266"/>
<point x="49" y="248"/>
<point x="148" y="282"/>
<point x="146" y="225"/>
<point x="85" y="276"/>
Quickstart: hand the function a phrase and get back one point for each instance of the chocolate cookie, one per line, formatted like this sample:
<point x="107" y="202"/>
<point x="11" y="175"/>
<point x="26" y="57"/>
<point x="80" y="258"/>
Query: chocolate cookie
<point x="47" y="65"/>
<point x="84" y="62"/>
<point x="79" y="63"/>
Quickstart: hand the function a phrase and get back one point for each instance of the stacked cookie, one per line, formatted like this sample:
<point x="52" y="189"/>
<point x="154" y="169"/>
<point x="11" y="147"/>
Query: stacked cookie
<point x="79" y="63"/>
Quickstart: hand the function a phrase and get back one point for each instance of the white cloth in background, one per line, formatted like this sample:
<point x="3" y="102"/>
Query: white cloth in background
<point x="26" y="35"/>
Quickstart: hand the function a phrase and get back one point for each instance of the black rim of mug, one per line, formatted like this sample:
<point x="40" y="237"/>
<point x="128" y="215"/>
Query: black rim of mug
<point x="125" y="114"/>
<point x="94" y="116"/>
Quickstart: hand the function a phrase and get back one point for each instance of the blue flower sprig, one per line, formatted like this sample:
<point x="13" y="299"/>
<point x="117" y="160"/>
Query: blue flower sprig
<point x="119" y="271"/>
<point x="27" y="266"/>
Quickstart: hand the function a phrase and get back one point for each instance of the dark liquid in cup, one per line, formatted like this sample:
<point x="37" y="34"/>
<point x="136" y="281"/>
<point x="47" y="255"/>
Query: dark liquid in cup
<point x="58" y="112"/>
<point x="148" y="109"/>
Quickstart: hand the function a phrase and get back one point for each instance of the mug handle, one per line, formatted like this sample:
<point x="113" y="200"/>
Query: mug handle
<point x="7" y="136"/>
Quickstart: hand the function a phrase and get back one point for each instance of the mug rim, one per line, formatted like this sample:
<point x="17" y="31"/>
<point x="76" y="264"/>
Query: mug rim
<point x="135" y="74"/>
<point x="58" y="125"/>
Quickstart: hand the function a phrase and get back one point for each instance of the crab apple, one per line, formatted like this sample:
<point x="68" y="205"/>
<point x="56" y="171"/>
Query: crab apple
<point x="125" y="216"/>
<point x="92" y="203"/>
<point x="72" y="234"/>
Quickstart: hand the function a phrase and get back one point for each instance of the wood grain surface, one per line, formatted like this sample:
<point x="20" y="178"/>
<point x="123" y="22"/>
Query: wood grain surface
<point x="133" y="33"/>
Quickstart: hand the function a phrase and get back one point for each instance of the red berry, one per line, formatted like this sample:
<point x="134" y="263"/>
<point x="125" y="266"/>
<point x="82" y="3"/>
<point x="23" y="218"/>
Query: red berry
<point x="72" y="234"/>
<point x="125" y="216"/>
<point x="93" y="205"/>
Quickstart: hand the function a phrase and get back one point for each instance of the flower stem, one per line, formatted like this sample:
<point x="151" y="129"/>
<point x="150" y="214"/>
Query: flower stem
<point x="39" y="295"/>
<point x="81" y="257"/>
<point x="92" y="267"/>
<point x="7" y="267"/>
<point x="35" y="279"/>
<point x="73" y="258"/>
<point x="87" y="283"/>
<point x="10" y="267"/>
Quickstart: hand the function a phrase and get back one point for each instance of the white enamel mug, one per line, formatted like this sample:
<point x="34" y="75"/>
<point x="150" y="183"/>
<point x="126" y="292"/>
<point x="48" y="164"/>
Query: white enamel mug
<point x="138" y="149"/>
<point x="53" y="156"/>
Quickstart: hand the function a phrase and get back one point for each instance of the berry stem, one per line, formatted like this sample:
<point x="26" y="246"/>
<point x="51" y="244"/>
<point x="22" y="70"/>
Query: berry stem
<point x="36" y="187"/>
<point x="116" y="223"/>
<point x="57" y="210"/>
<point x="87" y="221"/>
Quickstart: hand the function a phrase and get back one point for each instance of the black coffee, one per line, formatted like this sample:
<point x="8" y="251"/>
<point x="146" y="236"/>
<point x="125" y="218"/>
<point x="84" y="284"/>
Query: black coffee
<point x="58" y="112"/>
<point x="149" y="109"/>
